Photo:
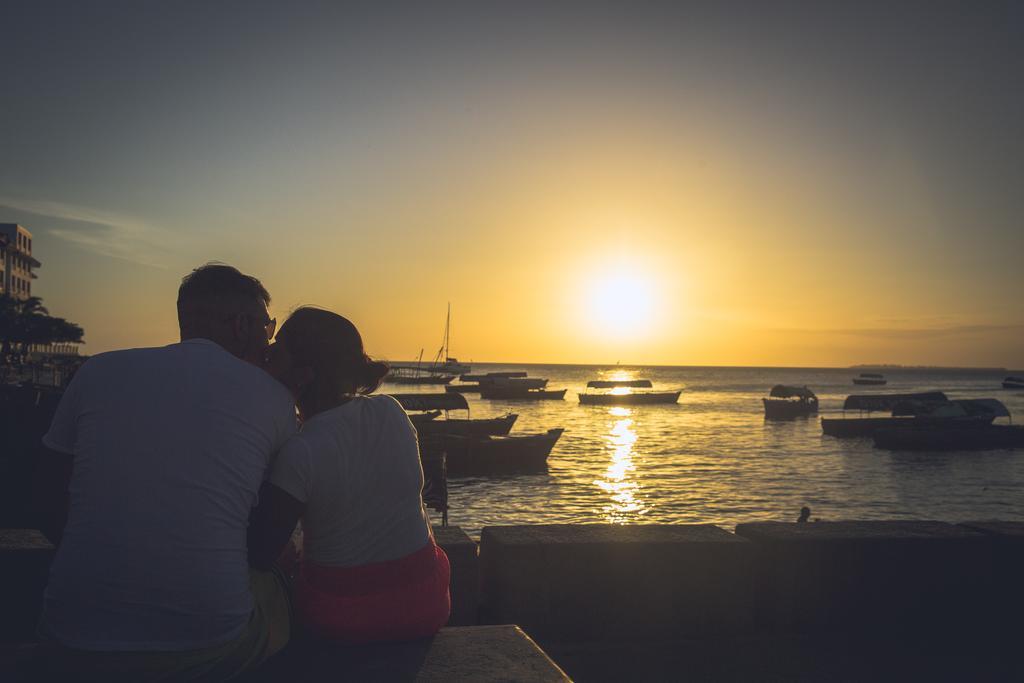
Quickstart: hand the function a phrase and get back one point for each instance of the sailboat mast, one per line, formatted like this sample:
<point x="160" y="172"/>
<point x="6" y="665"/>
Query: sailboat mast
<point x="447" y="331"/>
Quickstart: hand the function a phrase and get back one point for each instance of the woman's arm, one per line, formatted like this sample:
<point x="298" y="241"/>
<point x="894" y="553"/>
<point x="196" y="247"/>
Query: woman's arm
<point x="271" y="525"/>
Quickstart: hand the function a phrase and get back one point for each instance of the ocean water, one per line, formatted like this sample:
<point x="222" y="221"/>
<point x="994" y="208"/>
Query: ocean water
<point x="713" y="458"/>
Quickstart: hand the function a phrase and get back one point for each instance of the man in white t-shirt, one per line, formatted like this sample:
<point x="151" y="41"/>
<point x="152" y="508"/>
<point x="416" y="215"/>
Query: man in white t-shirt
<point x="166" y="449"/>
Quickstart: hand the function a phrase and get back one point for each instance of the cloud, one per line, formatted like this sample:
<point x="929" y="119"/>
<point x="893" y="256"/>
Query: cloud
<point x="100" y="232"/>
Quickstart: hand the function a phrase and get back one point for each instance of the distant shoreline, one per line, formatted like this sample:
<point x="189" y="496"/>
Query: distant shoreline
<point x="938" y="368"/>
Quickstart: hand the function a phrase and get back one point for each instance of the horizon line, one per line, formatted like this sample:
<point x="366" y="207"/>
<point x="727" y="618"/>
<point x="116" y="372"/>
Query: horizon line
<point x="741" y="367"/>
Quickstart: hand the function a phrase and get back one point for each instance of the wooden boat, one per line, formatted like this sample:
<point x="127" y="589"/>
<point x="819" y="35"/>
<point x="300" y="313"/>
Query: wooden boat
<point x="404" y="376"/>
<point x="444" y="363"/>
<point x="425" y="413"/>
<point x="467" y="456"/>
<point x="870" y="379"/>
<point x="850" y="427"/>
<point x="492" y="375"/>
<point x="940" y="438"/>
<point x="441" y="370"/>
<point x="450" y="365"/>
<point x="495" y="426"/>
<point x="1013" y="383"/>
<point x="631" y="399"/>
<point x="510" y="393"/>
<point x="615" y="383"/>
<point x="416" y="374"/>
<point x="468" y="388"/>
<point x="429" y="402"/>
<point x="785" y="402"/>
<point x="514" y="382"/>
<point x="418" y="419"/>
<point x="921" y="414"/>
<point x="844" y="427"/>
<point x="875" y="402"/>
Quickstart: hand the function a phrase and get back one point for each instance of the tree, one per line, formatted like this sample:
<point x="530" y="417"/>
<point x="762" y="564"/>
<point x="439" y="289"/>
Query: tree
<point x="24" y="322"/>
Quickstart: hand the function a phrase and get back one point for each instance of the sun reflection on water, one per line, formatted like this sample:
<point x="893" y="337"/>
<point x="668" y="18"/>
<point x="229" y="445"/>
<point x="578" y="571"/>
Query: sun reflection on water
<point x="624" y="505"/>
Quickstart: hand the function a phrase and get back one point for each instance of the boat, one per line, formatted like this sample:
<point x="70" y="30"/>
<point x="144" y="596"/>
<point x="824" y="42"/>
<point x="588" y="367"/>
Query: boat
<point x="514" y="393"/>
<point x="482" y="455"/>
<point x="516" y="383"/>
<point x="465" y="388"/>
<point x="983" y="438"/>
<point x="491" y="375"/>
<point x="915" y="411"/>
<point x="785" y="402"/>
<point x="425" y="410"/>
<point x="870" y="379"/>
<point x="494" y="426"/>
<point x="1013" y="383"/>
<point x="418" y="419"/>
<point x="430" y="402"/>
<point x="450" y="365"/>
<point x="616" y="383"/>
<point x="847" y="427"/>
<point x="416" y="374"/>
<point x="630" y="399"/>
<point x="443" y="364"/>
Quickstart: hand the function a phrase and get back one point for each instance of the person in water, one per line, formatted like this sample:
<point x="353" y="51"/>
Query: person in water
<point x="370" y="568"/>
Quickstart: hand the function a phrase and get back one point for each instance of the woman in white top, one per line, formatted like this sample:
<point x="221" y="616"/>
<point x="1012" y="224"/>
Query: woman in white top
<point x="370" y="569"/>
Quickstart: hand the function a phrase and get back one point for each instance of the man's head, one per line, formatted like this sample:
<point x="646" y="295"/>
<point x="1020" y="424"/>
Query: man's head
<point x="219" y="303"/>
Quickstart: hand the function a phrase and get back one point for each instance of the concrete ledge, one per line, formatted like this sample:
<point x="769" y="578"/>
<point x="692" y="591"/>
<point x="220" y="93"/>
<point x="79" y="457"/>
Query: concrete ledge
<point x="1004" y="593"/>
<point x="869" y="576"/>
<point x="465" y="583"/>
<point x="485" y="654"/>
<point x="591" y="582"/>
<point x="25" y="557"/>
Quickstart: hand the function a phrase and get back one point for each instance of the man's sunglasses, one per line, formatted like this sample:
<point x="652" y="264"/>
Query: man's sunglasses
<point x="270" y="326"/>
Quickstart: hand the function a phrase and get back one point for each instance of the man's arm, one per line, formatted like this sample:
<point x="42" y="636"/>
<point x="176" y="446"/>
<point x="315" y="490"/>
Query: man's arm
<point x="272" y="524"/>
<point x="50" y="492"/>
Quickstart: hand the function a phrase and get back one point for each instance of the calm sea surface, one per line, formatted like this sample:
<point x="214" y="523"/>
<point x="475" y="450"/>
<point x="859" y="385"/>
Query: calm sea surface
<point x="714" y="458"/>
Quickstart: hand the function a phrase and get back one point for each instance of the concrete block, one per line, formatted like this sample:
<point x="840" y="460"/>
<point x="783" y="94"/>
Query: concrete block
<point x="887" y="575"/>
<point x="1004" y="591"/>
<point x="25" y="557"/>
<point x="487" y="653"/>
<point x="484" y="654"/>
<point x="465" y="583"/>
<point x="592" y="582"/>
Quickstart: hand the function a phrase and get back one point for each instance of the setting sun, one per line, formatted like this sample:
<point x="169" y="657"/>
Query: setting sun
<point x="622" y="305"/>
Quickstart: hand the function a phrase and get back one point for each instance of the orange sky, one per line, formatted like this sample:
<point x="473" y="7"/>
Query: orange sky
<point x="648" y="188"/>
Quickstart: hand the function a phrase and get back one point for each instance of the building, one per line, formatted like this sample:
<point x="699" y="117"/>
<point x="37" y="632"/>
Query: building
<point x="16" y="262"/>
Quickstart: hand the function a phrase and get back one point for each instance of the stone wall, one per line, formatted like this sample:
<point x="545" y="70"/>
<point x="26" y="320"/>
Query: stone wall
<point x="593" y="582"/>
<point x="602" y="582"/>
<point x="610" y="581"/>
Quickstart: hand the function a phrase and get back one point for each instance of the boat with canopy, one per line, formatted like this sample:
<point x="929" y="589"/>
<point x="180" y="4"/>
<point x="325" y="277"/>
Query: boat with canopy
<point x="520" y="393"/>
<point x="931" y="410"/>
<point x="425" y="410"/>
<point x="616" y="383"/>
<point x="949" y="434"/>
<point x="634" y="398"/>
<point x="471" y="447"/>
<point x="786" y="402"/>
